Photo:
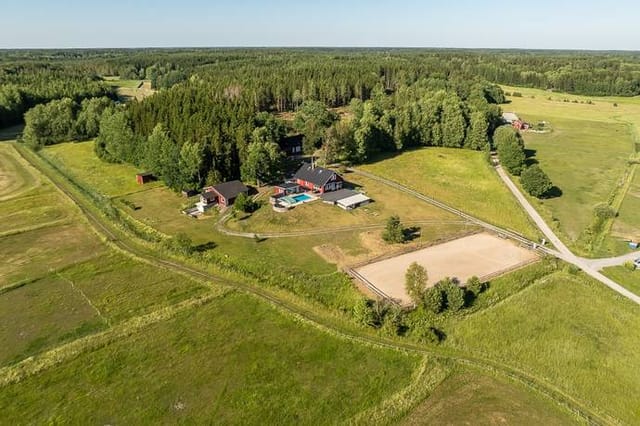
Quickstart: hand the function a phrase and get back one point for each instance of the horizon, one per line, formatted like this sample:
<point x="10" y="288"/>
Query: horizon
<point x="37" y="24"/>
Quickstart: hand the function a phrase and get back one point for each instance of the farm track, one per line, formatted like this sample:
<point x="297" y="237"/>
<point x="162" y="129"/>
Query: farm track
<point x="101" y="226"/>
<point x="220" y="226"/>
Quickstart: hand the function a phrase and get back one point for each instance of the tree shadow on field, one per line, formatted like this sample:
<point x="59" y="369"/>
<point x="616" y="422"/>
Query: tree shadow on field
<point x="554" y="192"/>
<point x="411" y="233"/>
<point x="201" y="248"/>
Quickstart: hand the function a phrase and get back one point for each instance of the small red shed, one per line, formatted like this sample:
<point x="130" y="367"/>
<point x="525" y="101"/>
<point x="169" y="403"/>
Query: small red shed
<point x="144" y="177"/>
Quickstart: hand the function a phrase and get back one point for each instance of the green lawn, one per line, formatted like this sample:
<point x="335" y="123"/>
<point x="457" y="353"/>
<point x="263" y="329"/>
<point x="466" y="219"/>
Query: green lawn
<point x="235" y="360"/>
<point x="625" y="277"/>
<point x="80" y="161"/>
<point x="460" y="178"/>
<point x="469" y="397"/>
<point x="574" y="332"/>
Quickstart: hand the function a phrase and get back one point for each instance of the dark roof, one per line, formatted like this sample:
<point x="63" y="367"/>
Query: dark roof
<point x="340" y="194"/>
<point x="287" y="185"/>
<point x="230" y="189"/>
<point x="318" y="176"/>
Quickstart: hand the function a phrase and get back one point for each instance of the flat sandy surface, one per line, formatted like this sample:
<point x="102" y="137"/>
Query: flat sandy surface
<point x="479" y="254"/>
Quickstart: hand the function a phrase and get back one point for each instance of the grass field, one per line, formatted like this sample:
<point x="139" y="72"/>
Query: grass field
<point x="460" y="178"/>
<point x="387" y="202"/>
<point x="15" y="176"/>
<point x="585" y="155"/>
<point x="130" y="89"/>
<point x="624" y="277"/>
<point x="627" y="224"/>
<point x="81" y="162"/>
<point x="235" y="360"/>
<point x="571" y="331"/>
<point x="40" y="314"/>
<point x="468" y="397"/>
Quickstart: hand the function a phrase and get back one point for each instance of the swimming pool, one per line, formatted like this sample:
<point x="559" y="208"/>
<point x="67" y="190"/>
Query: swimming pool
<point x="293" y="200"/>
<point x="301" y="198"/>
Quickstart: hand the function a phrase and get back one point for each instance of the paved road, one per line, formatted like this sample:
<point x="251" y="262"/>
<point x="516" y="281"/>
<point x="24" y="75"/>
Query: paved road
<point x="589" y="266"/>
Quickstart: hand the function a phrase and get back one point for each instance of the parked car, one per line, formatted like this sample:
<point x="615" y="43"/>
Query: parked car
<point x="636" y="263"/>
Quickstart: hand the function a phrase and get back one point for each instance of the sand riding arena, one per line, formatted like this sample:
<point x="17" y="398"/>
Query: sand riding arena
<point x="483" y="255"/>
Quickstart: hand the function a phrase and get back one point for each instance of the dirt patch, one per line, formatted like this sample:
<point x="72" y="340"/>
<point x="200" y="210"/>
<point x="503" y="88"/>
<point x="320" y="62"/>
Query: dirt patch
<point x="481" y="255"/>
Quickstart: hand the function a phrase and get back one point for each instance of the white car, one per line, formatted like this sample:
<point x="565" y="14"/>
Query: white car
<point x="636" y="263"/>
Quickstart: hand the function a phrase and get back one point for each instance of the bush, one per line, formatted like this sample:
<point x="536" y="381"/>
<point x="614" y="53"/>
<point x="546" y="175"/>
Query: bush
<point x="475" y="286"/>
<point x="244" y="203"/>
<point x="416" y="282"/>
<point x="453" y="294"/>
<point x="393" y="232"/>
<point x="629" y="265"/>
<point x="363" y="314"/>
<point x="604" y="211"/>
<point x="510" y="147"/>
<point x="393" y="321"/>
<point x="433" y="300"/>
<point x="535" y="181"/>
<point x="516" y="94"/>
<point x="180" y="244"/>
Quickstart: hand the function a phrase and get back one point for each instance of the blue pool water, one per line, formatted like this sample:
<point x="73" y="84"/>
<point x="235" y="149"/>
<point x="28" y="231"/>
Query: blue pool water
<point x="301" y="198"/>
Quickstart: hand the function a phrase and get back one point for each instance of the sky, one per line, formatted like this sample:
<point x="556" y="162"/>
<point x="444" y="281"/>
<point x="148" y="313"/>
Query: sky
<point x="543" y="24"/>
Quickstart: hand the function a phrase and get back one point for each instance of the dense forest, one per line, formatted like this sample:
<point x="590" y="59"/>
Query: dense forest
<point x="217" y="114"/>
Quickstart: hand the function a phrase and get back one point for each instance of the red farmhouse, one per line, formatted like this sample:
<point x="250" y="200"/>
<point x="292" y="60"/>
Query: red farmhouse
<point x="318" y="179"/>
<point x="223" y="194"/>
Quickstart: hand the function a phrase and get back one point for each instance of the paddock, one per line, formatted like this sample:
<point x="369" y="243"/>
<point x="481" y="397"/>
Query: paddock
<point x="483" y="255"/>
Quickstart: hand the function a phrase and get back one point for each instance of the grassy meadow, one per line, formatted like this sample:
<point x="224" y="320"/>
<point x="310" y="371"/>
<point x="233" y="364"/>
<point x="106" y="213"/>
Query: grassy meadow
<point x="469" y="397"/>
<point x="461" y="178"/>
<point x="235" y="360"/>
<point x="625" y="277"/>
<point x="585" y="155"/>
<point x="627" y="224"/>
<point x="569" y="330"/>
<point x="80" y="161"/>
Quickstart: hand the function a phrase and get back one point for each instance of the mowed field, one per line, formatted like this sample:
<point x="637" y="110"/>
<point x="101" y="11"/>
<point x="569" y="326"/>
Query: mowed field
<point x="460" y="178"/>
<point x="122" y="329"/>
<point x="235" y="360"/>
<point x="585" y="155"/>
<point x="569" y="330"/>
<point x="481" y="255"/>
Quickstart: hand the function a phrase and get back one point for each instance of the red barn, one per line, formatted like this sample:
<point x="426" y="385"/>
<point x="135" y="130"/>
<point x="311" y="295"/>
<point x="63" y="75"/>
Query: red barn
<point x="318" y="179"/>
